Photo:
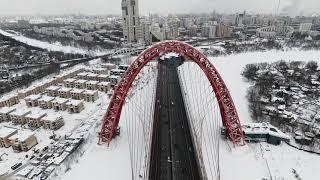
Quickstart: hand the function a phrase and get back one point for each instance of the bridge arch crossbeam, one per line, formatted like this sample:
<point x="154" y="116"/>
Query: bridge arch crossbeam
<point x="228" y="111"/>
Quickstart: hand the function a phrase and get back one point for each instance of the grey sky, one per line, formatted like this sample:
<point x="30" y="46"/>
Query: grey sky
<point x="294" y="7"/>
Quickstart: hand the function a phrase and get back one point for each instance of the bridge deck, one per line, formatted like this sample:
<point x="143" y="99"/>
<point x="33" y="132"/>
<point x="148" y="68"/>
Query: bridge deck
<point x="173" y="155"/>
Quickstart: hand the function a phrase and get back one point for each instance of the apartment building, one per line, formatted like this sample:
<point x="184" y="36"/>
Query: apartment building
<point x="9" y="100"/>
<point x="53" y="122"/>
<point x="19" y="116"/>
<point x="108" y="66"/>
<point x="52" y="91"/>
<point x="45" y="102"/>
<point x="59" y="104"/>
<point x="90" y="95"/>
<point x="103" y="77"/>
<point x="64" y="92"/>
<point x="5" y="134"/>
<point x="75" y="106"/>
<point x="34" y="119"/>
<point x="81" y="83"/>
<point x="92" y="85"/>
<point x="69" y="83"/>
<point x="32" y="100"/>
<point x="82" y="75"/>
<point x="77" y="94"/>
<point x="5" y="113"/>
<point x="100" y="71"/>
<point x="104" y="86"/>
<point x="23" y="141"/>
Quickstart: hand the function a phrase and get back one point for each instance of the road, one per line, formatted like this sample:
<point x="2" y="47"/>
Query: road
<point x="172" y="155"/>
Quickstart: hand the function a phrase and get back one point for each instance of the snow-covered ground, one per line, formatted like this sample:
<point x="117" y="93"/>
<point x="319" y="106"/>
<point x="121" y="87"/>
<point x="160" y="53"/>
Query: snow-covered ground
<point x="100" y="161"/>
<point x="230" y="68"/>
<point x="72" y="122"/>
<point x="252" y="162"/>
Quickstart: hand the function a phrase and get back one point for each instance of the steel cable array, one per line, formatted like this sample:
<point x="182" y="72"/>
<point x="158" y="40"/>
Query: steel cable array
<point x="204" y="116"/>
<point x="138" y="114"/>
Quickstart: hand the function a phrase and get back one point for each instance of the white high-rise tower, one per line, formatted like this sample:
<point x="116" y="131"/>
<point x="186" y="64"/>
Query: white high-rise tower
<point x="130" y="18"/>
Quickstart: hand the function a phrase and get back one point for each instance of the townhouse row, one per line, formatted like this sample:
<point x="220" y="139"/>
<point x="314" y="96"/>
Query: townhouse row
<point x="10" y="100"/>
<point x="64" y="92"/>
<point x="31" y="118"/>
<point x="102" y="86"/>
<point x="61" y="103"/>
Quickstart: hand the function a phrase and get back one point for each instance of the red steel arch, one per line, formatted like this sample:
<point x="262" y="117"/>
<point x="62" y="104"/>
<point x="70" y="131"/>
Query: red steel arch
<point x="230" y="118"/>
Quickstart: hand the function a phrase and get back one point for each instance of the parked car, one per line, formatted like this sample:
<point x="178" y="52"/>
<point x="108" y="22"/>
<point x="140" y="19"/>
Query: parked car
<point x="14" y="167"/>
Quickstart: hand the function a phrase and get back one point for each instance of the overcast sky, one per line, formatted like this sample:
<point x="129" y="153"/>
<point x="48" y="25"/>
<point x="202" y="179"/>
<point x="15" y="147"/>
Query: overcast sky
<point x="293" y="7"/>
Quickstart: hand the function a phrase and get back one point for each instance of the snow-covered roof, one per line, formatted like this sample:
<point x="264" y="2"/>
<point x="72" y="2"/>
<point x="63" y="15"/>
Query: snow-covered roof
<point x="264" y="99"/>
<point x="274" y="99"/>
<point x="70" y="80"/>
<point x="114" y="77"/>
<point x="46" y="98"/>
<point x="74" y="102"/>
<point x="7" y="110"/>
<point x="282" y="107"/>
<point x="52" y="117"/>
<point x="118" y="70"/>
<point x="77" y="91"/>
<point x="104" y="83"/>
<point x="22" y="135"/>
<point x="107" y="64"/>
<point x="7" y="97"/>
<point x="92" y="82"/>
<point x="92" y="75"/>
<point x="270" y="108"/>
<point x="263" y="128"/>
<point x="53" y="88"/>
<point x="20" y="112"/>
<point x="103" y="76"/>
<point x="90" y="92"/>
<point x="124" y="65"/>
<point x="6" y="131"/>
<point x="81" y="81"/>
<point x="60" y="100"/>
<point x="33" y="97"/>
<point x="98" y="69"/>
<point x="36" y="115"/>
<point x="82" y="74"/>
<point x="24" y="90"/>
<point x="64" y="89"/>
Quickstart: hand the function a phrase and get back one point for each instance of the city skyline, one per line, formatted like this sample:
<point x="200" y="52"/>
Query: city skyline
<point x="99" y="7"/>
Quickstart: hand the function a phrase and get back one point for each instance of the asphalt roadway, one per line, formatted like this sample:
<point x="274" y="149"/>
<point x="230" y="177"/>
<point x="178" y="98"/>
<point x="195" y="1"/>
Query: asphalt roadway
<point x="173" y="154"/>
